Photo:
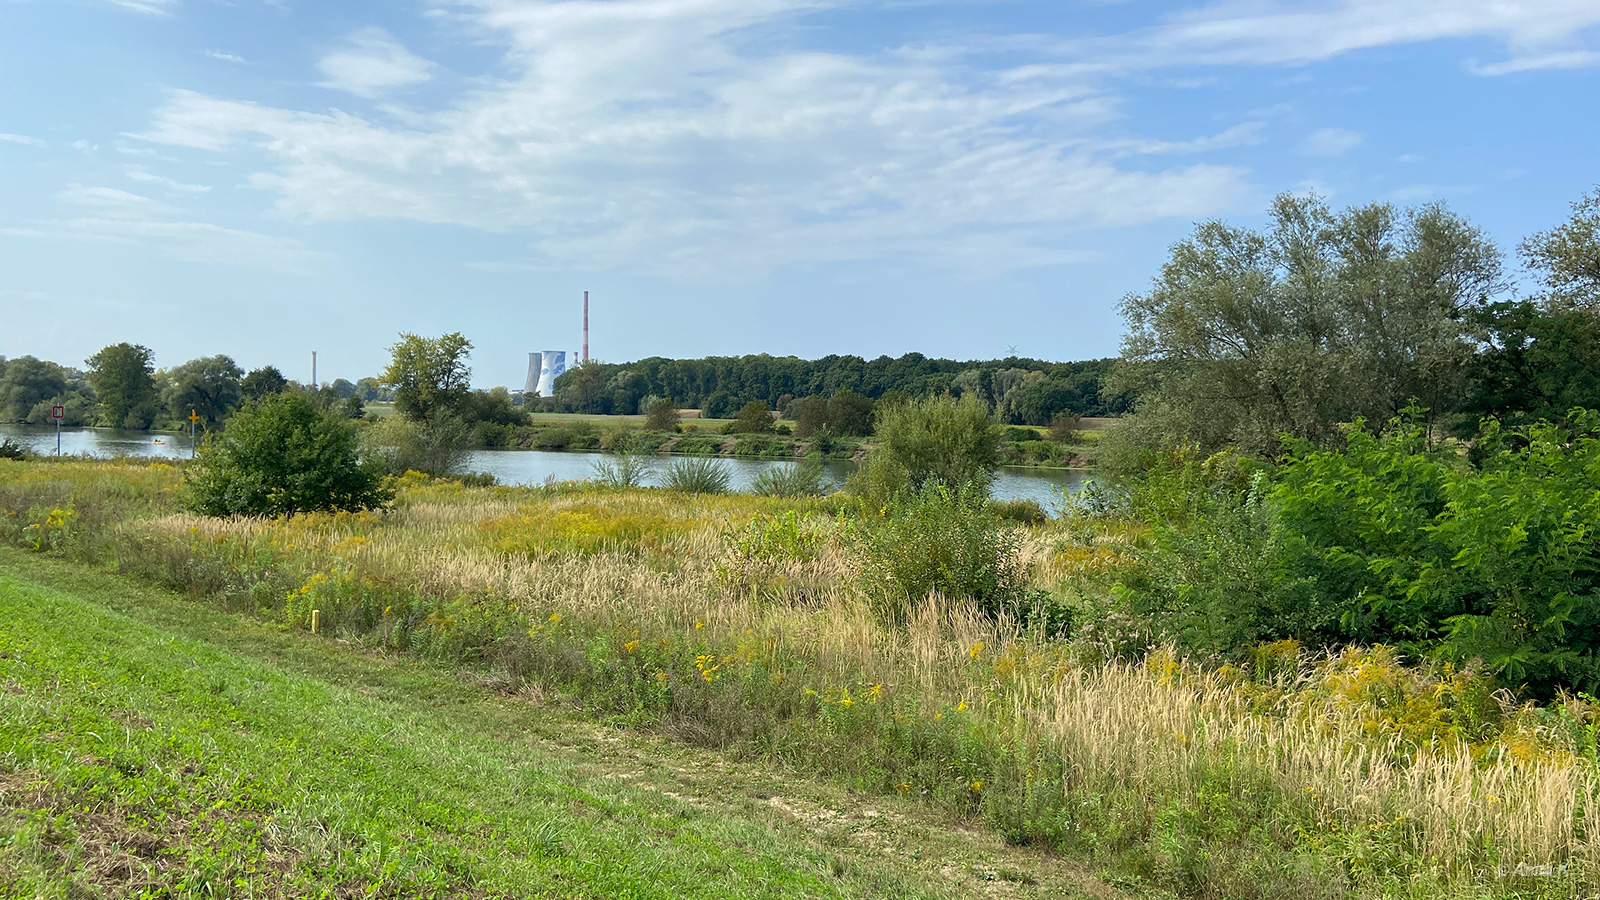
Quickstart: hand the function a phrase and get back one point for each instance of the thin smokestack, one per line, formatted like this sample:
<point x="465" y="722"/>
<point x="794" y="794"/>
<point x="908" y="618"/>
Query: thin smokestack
<point x="585" y="356"/>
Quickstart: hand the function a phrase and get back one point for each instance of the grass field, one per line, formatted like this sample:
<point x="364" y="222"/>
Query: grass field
<point x="746" y="627"/>
<point x="152" y="747"/>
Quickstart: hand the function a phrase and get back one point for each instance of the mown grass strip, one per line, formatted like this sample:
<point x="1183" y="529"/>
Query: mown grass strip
<point x="135" y="761"/>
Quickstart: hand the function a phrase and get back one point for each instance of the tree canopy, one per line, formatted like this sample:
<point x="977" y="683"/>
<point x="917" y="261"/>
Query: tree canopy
<point x="1319" y="319"/>
<point x="208" y="386"/>
<point x="123" y="377"/>
<point x="429" y="376"/>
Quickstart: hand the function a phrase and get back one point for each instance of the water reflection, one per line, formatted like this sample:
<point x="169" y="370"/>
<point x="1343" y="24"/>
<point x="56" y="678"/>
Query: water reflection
<point x="510" y="466"/>
<point x="98" y="442"/>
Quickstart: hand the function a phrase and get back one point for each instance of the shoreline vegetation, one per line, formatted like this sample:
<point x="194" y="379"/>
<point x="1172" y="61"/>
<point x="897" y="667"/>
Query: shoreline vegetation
<point x="744" y="624"/>
<point x="555" y="432"/>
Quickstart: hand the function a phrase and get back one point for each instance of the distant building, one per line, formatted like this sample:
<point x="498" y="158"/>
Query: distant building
<point x="554" y="363"/>
<point x="535" y="365"/>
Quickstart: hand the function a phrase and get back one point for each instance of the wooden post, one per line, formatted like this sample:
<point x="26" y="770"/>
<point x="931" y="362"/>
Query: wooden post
<point x="316" y="620"/>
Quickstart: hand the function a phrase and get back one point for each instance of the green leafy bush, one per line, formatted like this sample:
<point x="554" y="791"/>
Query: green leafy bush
<point x="1498" y="561"/>
<point x="280" y="456"/>
<point x="940" y="440"/>
<point x="1387" y="540"/>
<point x="947" y="542"/>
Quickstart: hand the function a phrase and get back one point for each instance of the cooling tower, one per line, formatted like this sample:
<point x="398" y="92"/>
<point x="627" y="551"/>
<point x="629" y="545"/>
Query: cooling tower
<point x="554" y="363"/>
<point x="530" y="385"/>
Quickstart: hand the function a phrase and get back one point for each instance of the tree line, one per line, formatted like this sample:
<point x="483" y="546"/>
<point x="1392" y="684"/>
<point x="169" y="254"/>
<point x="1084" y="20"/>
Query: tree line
<point x="120" y="387"/>
<point x="1018" y="391"/>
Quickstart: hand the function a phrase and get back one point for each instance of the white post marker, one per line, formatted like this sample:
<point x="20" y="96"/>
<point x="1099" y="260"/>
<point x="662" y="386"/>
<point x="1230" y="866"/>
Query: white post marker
<point x="58" y="412"/>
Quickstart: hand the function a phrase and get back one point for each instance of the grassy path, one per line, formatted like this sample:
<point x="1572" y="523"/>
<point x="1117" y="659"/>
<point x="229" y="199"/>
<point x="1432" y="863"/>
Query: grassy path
<point x="154" y="747"/>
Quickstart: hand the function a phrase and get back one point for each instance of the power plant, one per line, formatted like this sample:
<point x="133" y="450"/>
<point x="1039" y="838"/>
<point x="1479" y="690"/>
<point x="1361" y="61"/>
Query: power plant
<point x="545" y="367"/>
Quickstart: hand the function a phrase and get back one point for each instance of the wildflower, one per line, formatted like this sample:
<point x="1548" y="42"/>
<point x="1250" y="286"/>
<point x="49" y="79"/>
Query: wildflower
<point x="699" y="625"/>
<point x="976" y="651"/>
<point x="555" y="617"/>
<point x="962" y="706"/>
<point x="662" y="677"/>
<point x="631" y="646"/>
<point x="875" y="692"/>
<point x="977" y="785"/>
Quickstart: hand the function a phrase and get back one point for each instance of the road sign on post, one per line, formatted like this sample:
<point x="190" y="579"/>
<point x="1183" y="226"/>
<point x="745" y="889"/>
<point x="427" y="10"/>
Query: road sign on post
<point x="193" y="418"/>
<point x="58" y="412"/>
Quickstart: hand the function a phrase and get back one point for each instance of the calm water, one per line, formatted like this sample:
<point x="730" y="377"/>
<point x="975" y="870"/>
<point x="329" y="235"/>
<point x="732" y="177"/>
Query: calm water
<point x="535" y="466"/>
<point x="97" y="441"/>
<point x="510" y="466"/>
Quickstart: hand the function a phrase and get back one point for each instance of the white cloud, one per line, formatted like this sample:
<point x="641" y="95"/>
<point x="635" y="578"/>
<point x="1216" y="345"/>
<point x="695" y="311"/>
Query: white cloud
<point x="374" y="64"/>
<point x="149" y="7"/>
<point x="109" y="201"/>
<point x="1278" y="32"/>
<point x="1331" y="142"/>
<point x="141" y="174"/>
<point x="21" y="139"/>
<point x="111" y="215"/>
<point x="226" y="57"/>
<point x="651" y="134"/>
<point x="1245" y="134"/>
<point x="1568" y="59"/>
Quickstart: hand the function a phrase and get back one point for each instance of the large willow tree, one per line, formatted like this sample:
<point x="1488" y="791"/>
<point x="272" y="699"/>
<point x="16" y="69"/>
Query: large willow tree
<point x="1315" y="320"/>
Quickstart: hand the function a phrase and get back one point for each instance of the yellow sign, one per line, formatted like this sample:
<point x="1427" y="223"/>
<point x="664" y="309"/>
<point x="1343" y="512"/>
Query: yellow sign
<point x="193" y="417"/>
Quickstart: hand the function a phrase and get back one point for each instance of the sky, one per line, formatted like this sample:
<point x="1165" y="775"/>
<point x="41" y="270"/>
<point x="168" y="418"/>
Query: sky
<point x="960" y="178"/>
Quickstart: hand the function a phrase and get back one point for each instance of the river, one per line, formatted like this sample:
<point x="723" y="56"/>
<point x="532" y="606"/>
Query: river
<point x="513" y="466"/>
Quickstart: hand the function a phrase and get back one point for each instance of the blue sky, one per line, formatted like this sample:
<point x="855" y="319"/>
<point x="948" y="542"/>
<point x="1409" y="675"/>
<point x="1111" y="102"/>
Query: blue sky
<point x="265" y="178"/>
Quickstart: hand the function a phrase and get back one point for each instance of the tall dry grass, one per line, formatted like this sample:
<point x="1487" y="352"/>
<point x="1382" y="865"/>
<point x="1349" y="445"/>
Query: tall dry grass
<point x="1327" y="776"/>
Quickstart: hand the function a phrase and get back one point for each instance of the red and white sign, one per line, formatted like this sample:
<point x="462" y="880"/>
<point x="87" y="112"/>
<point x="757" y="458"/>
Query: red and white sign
<point x="58" y="412"/>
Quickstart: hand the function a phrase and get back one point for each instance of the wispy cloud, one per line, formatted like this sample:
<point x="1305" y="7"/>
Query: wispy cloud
<point x="21" y="139"/>
<point x="666" y="135"/>
<point x="374" y="63"/>
<point x="1245" y="134"/>
<point x="1331" y="142"/>
<point x="111" y="215"/>
<point x="1568" y="59"/>
<point x="148" y="7"/>
<point x="226" y="57"/>
<point x="1292" y="32"/>
<point x="141" y="174"/>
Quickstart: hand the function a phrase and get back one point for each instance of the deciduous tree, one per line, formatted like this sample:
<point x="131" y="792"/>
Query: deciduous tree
<point x="123" y="377"/>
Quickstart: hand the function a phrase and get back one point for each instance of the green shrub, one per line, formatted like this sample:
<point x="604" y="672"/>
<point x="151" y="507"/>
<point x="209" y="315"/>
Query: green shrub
<point x="789" y="480"/>
<point x="438" y="447"/>
<point x="1027" y="512"/>
<point x="1498" y="562"/>
<point x="936" y="441"/>
<point x="697" y="475"/>
<point x="697" y="445"/>
<point x="10" y="449"/>
<point x="947" y="542"/>
<point x="627" y="469"/>
<point x="279" y="456"/>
